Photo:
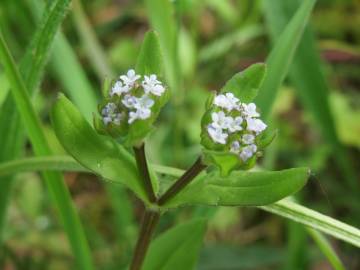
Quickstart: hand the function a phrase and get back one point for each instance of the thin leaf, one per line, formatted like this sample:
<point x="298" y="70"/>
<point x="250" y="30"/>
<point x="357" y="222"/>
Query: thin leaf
<point x="242" y="188"/>
<point x="309" y="81"/>
<point x="281" y="57"/>
<point x="54" y="180"/>
<point x="326" y="249"/>
<point x="315" y="220"/>
<point x="178" y="248"/>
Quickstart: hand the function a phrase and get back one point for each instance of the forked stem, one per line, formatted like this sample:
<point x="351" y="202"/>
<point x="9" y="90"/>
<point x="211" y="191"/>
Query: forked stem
<point x="144" y="170"/>
<point x="149" y="222"/>
<point x="183" y="181"/>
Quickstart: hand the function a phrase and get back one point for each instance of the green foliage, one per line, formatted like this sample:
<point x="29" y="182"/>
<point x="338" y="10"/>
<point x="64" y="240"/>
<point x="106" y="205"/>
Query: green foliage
<point x="281" y="57"/>
<point x="242" y="188"/>
<point x="178" y="248"/>
<point x="54" y="181"/>
<point x="150" y="59"/>
<point x="245" y="85"/>
<point x="100" y="154"/>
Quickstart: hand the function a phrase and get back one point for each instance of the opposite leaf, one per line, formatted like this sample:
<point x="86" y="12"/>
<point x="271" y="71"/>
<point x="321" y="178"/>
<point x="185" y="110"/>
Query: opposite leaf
<point x="100" y="154"/>
<point x="242" y="188"/>
<point x="178" y="248"/>
<point x="150" y="59"/>
<point x="245" y="85"/>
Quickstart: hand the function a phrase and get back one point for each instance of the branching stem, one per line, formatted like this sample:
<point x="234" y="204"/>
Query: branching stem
<point x="183" y="181"/>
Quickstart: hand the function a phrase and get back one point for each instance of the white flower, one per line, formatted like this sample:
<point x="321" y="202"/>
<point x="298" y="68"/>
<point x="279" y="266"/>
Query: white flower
<point x="142" y="106"/>
<point x="255" y="125"/>
<point x="110" y="114"/>
<point x="217" y="135"/>
<point x="130" y="78"/>
<point x="227" y="101"/>
<point x="248" y="139"/>
<point x="129" y="101"/>
<point x="152" y="85"/>
<point x="235" y="147"/>
<point x="247" y="152"/>
<point x="220" y="120"/>
<point x="235" y="124"/>
<point x="119" y="88"/>
<point x="250" y="110"/>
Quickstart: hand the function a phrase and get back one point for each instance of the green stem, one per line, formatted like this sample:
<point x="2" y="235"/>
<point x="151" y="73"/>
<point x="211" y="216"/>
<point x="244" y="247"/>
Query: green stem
<point x="183" y="181"/>
<point x="144" y="170"/>
<point x="149" y="222"/>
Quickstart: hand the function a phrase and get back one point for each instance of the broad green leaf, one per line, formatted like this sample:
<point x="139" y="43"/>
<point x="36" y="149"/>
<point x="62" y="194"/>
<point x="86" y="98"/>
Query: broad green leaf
<point x="100" y="154"/>
<point x="281" y="57"/>
<point x="54" y="181"/>
<point x="150" y="58"/>
<point x="178" y="248"/>
<point x="315" y="220"/>
<point x="245" y="85"/>
<point x="309" y="81"/>
<point x="242" y="188"/>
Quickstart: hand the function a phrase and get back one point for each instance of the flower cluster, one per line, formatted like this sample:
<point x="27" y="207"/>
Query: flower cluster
<point x="235" y="125"/>
<point x="131" y="100"/>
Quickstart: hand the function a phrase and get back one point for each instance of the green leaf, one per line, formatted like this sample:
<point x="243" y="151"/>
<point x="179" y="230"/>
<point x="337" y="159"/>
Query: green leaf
<point x="178" y="248"/>
<point x="150" y="58"/>
<point x="315" y="220"/>
<point x="326" y="249"/>
<point x="160" y="14"/>
<point x="242" y="188"/>
<point x="245" y="85"/>
<point x="31" y="68"/>
<point x="54" y="181"/>
<point x="281" y="57"/>
<point x="100" y="154"/>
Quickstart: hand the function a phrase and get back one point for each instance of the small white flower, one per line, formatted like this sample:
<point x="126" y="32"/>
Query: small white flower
<point x="142" y="106"/>
<point x="227" y="101"/>
<point x="110" y="114"/>
<point x="235" y="124"/>
<point x="248" y="139"/>
<point x="152" y="85"/>
<point x="255" y="125"/>
<point x="217" y="135"/>
<point x="250" y="110"/>
<point x="129" y="101"/>
<point x="220" y="120"/>
<point x="130" y="78"/>
<point x="235" y="147"/>
<point x="119" y="88"/>
<point x="247" y="152"/>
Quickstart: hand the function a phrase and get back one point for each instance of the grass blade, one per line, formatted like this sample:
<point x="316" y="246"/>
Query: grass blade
<point x="54" y="181"/>
<point x="326" y="249"/>
<point x="95" y="53"/>
<point x="307" y="77"/>
<point x="281" y="57"/>
<point x="315" y="220"/>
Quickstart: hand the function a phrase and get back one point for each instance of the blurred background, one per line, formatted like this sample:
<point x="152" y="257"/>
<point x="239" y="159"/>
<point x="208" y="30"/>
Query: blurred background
<point x="317" y="112"/>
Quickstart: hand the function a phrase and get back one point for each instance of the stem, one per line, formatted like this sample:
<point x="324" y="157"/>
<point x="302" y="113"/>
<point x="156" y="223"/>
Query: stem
<point x="149" y="222"/>
<point x="144" y="170"/>
<point x="183" y="181"/>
